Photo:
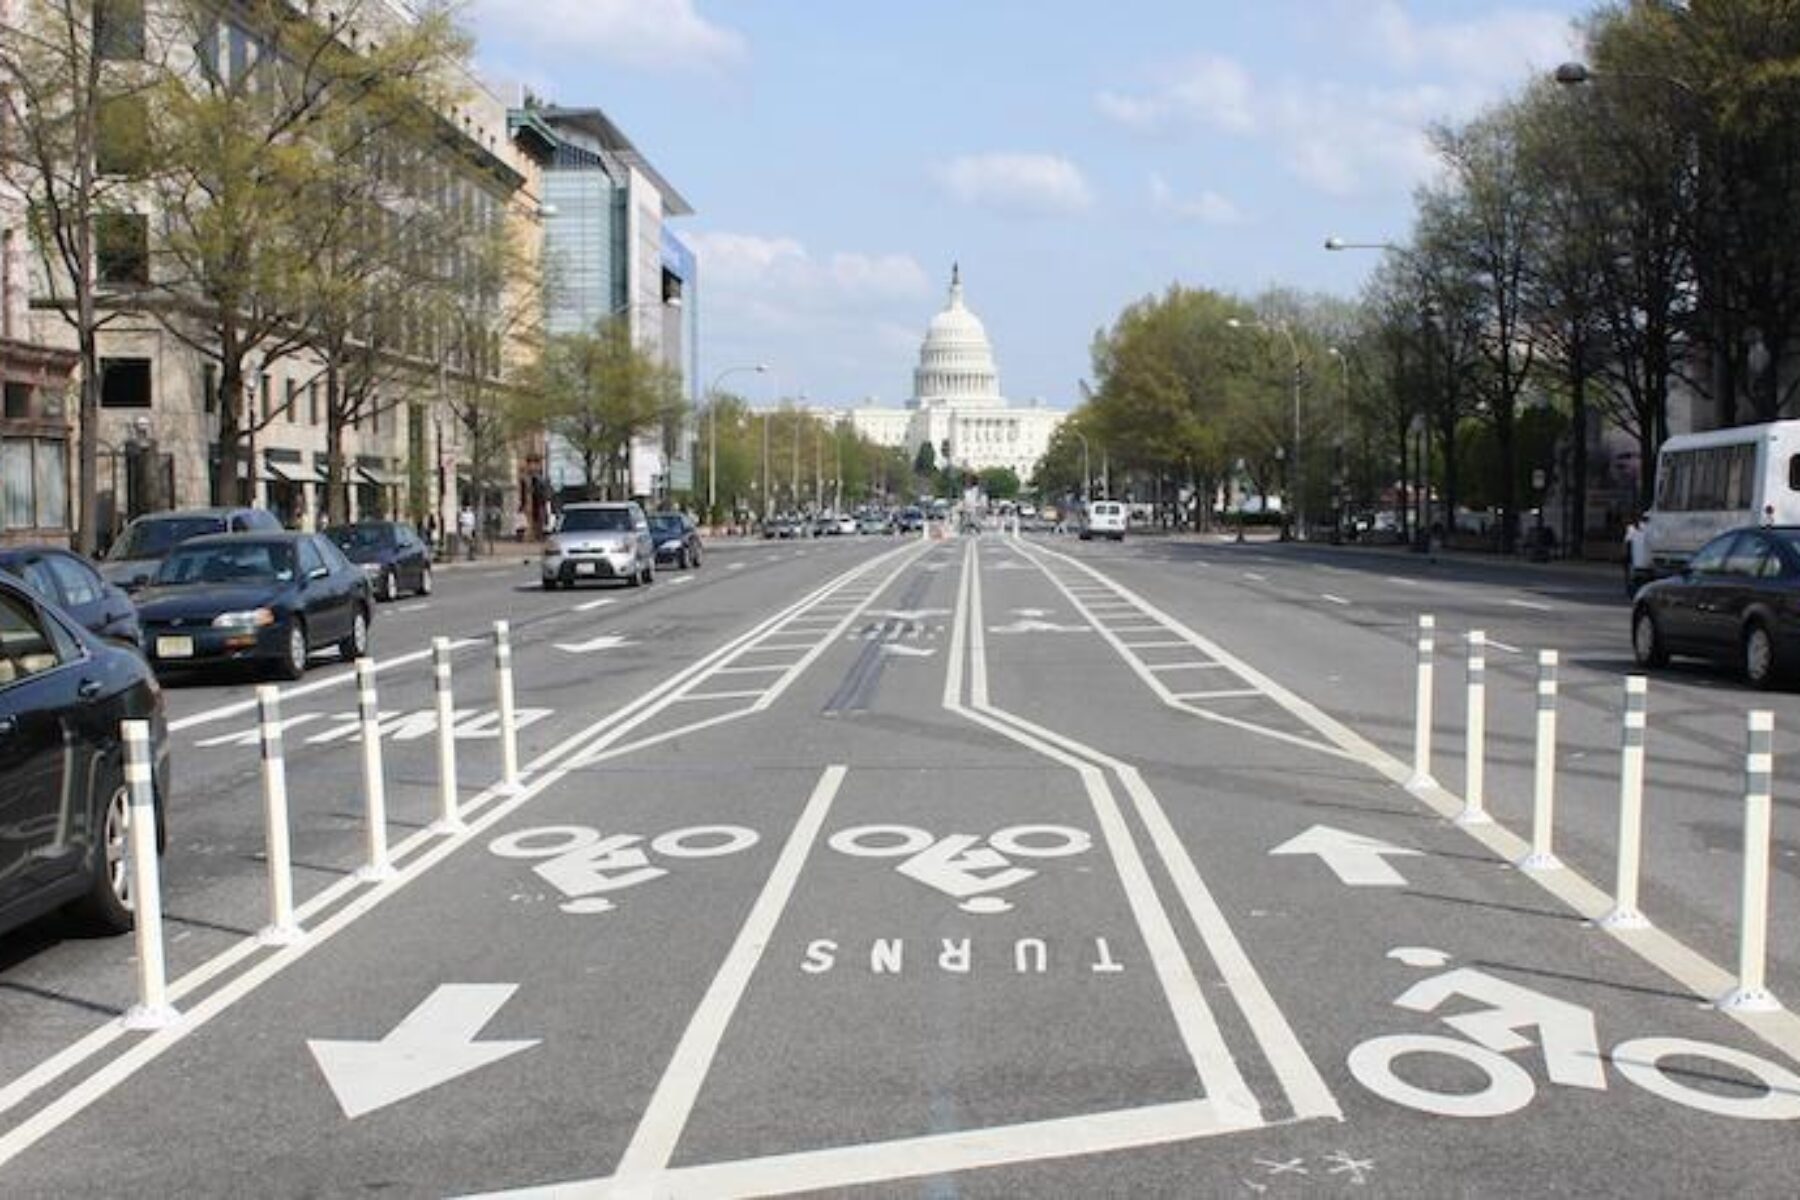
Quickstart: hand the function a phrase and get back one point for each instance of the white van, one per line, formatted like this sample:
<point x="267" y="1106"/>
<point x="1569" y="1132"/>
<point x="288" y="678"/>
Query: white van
<point x="1707" y="483"/>
<point x="1104" y="518"/>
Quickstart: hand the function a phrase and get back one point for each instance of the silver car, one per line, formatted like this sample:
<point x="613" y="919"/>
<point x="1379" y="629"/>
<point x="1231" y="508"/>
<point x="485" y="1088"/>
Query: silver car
<point x="600" y="541"/>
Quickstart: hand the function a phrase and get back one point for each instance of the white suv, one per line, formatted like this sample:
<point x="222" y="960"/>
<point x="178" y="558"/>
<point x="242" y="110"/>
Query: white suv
<point x="600" y="541"/>
<point x="1104" y="518"/>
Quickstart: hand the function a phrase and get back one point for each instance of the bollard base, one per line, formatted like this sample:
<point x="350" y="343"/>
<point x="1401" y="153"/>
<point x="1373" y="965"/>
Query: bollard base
<point x="1420" y="782"/>
<point x="1540" y="862"/>
<point x="280" y="935"/>
<point x="1624" y="918"/>
<point x="1751" y="1000"/>
<point x="376" y="872"/>
<point x="505" y="788"/>
<point x="1474" y="816"/>
<point x="150" y="1016"/>
<point x="448" y="826"/>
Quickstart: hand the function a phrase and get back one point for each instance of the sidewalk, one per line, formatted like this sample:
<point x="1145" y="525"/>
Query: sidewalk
<point x="1583" y="567"/>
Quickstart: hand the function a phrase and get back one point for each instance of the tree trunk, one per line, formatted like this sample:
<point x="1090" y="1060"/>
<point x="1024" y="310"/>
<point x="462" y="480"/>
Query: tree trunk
<point x="87" y="535"/>
<point x="1577" y="483"/>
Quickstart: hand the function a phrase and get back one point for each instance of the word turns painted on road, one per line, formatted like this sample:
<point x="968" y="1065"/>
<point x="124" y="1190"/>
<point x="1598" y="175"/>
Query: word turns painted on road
<point x="586" y="866"/>
<point x="470" y="724"/>
<point x="1503" y="1020"/>
<point x="958" y="865"/>
<point x="956" y="956"/>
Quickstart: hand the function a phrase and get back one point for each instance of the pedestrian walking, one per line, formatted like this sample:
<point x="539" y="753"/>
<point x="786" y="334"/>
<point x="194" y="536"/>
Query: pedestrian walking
<point x="519" y="525"/>
<point x="465" y="528"/>
<point x="1639" y="565"/>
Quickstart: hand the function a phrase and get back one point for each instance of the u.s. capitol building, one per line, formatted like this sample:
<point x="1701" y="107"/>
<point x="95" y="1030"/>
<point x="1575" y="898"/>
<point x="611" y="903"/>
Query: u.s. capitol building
<point x="956" y="402"/>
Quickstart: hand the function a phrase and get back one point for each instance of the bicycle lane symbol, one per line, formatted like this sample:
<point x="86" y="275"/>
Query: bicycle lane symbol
<point x="586" y="866"/>
<point x="958" y="864"/>
<point x="1567" y="1037"/>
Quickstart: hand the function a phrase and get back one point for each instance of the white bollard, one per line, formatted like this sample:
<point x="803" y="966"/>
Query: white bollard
<point x="377" y="867"/>
<point x="503" y="689"/>
<point x="153" y="1010"/>
<point x="282" y="929"/>
<point x="1625" y="913"/>
<point x="1543" y="789"/>
<point x="1421" y="776"/>
<point x="449" y="814"/>
<point x="1752" y="992"/>
<point x="1475" y="736"/>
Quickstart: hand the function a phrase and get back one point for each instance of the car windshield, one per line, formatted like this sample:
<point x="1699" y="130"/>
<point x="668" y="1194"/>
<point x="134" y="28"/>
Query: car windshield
<point x="665" y="525"/>
<point x="583" y="520"/>
<point x="236" y="562"/>
<point x="155" y="538"/>
<point x="352" y="538"/>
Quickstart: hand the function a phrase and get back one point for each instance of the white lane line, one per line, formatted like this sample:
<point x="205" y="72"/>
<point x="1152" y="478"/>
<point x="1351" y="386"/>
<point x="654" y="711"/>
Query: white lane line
<point x="1331" y="599"/>
<point x="677" y="580"/>
<point x="1256" y="577"/>
<point x="1533" y="605"/>
<point x="1504" y="646"/>
<point x="1221" y="694"/>
<point x="558" y="761"/>
<point x="734" y="567"/>
<point x="1153" y="645"/>
<point x="1136" y="628"/>
<point x="1185" y="666"/>
<point x="1403" y="580"/>
<point x="757" y="670"/>
<point x="409" y="609"/>
<point x="305" y="689"/>
<point x="1704" y="978"/>
<point x="591" y="605"/>
<point x="673" y="1101"/>
<point x="685" y="697"/>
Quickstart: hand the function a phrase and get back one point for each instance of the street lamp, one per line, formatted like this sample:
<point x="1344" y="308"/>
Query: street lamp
<point x="1341" y="468"/>
<point x="1087" y="474"/>
<point x="712" y="437"/>
<point x="1298" y="491"/>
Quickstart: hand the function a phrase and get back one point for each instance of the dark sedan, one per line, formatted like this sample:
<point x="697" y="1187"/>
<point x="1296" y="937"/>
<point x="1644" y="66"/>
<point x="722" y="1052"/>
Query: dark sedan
<point x="265" y="599"/>
<point x="677" y="539"/>
<point x="64" y="807"/>
<point x="391" y="554"/>
<point x="1737" y="602"/>
<point x="133" y="559"/>
<point x="74" y="584"/>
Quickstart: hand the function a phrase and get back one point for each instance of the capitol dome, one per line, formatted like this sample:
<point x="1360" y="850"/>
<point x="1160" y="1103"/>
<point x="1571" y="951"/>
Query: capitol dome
<point x="956" y="361"/>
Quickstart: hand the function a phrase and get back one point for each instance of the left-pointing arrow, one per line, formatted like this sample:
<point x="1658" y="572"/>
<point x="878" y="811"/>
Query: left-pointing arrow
<point x="433" y="1045"/>
<point x="1353" y="858"/>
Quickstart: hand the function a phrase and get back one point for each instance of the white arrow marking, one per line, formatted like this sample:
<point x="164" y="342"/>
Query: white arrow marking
<point x="912" y="614"/>
<point x="1353" y="858"/>
<point x="908" y="651"/>
<point x="433" y="1045"/>
<point x="606" y="641"/>
<point x="1029" y="625"/>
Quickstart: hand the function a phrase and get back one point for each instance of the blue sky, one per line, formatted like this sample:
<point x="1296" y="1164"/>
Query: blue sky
<point x="1074" y="155"/>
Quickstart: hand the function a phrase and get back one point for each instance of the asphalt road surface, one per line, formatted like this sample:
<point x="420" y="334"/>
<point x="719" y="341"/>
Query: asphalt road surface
<point x="975" y="866"/>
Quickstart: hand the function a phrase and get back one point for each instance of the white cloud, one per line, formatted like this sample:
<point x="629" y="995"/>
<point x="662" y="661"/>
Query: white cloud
<point x="1209" y="207"/>
<point x="665" y="35"/>
<point x="1017" y="184"/>
<point x="1345" y="139"/>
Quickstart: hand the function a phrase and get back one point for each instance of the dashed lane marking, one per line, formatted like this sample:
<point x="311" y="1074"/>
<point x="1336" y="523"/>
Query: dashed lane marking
<point x="1533" y="605"/>
<point x="1331" y="599"/>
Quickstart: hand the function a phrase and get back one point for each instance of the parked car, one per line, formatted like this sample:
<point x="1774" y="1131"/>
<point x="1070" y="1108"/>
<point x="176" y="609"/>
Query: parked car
<point x="874" y="523"/>
<point x="1734" y="602"/>
<point x="912" y="520"/>
<point x="677" y="539"/>
<point x="75" y="585"/>
<point x="600" y="541"/>
<point x="391" y="554"/>
<point x="64" y="806"/>
<point x="267" y="599"/>
<point x="843" y="525"/>
<point x="784" y="527"/>
<point x="134" y="558"/>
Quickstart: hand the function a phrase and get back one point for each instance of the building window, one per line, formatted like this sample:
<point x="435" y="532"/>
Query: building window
<point x="124" y="383"/>
<point x="122" y="244"/>
<point x="122" y="136"/>
<point x="312" y="404"/>
<point x="267" y="388"/>
<point x="34" y="483"/>
<point x="290" y="409"/>
<point x="119" y="30"/>
<point x="209" y="388"/>
<point x="18" y="400"/>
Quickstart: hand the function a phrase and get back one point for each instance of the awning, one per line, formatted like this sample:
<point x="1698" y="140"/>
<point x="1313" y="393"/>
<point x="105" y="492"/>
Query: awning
<point x="274" y="472"/>
<point x="381" y="476"/>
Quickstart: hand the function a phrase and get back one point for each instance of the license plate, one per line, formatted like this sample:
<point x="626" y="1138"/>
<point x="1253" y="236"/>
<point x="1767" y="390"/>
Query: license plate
<point x="174" y="647"/>
<point x="586" y="568"/>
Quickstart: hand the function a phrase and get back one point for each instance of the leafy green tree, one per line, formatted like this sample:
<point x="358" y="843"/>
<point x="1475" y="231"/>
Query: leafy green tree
<point x="1000" y="483"/>
<point x="597" y="391"/>
<point x="925" y="461"/>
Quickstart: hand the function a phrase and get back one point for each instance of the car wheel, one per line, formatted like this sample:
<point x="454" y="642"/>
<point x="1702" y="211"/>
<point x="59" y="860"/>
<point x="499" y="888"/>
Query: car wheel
<point x="425" y="580"/>
<point x="681" y="559"/>
<point x="635" y="579"/>
<point x="694" y="559"/>
<point x="650" y="572"/>
<point x="549" y="585"/>
<point x="1646" y="640"/>
<point x="390" y="585"/>
<point x="107" y="904"/>
<point x="357" y="644"/>
<point x="293" y="662"/>
<point x="1760" y="666"/>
